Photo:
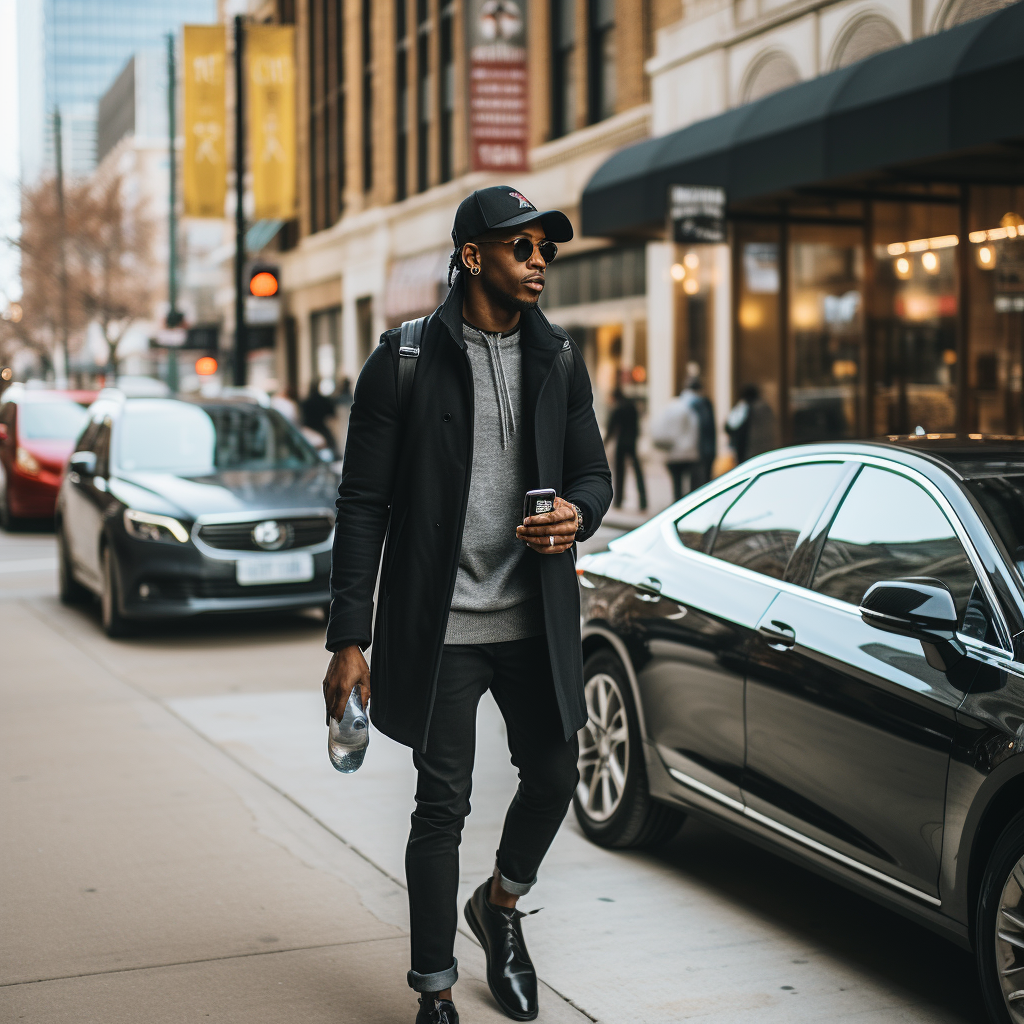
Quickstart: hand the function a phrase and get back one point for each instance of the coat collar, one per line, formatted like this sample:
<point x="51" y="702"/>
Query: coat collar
<point x="536" y="330"/>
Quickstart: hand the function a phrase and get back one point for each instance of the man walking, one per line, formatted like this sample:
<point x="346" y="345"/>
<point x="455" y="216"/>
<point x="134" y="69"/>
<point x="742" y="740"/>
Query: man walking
<point x="624" y="427"/>
<point x="471" y="597"/>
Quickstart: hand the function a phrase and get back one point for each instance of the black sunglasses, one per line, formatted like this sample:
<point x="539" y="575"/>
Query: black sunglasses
<point x="522" y="249"/>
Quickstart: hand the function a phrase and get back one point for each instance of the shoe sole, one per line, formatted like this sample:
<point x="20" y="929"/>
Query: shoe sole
<point x="478" y="932"/>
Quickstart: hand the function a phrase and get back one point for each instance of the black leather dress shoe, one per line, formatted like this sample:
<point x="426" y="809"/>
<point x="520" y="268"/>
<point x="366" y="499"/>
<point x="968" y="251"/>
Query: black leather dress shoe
<point x="436" y="1011"/>
<point x="510" y="974"/>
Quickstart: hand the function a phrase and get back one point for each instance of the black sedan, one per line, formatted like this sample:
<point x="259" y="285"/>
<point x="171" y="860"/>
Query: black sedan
<point x="173" y="508"/>
<point x="823" y="650"/>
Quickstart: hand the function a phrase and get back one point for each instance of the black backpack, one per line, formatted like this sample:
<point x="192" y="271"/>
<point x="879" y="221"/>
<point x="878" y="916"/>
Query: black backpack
<point x="409" y="352"/>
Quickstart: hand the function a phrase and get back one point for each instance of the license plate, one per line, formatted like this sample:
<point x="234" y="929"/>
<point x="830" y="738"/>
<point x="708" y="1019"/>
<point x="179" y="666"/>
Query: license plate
<point x="289" y="567"/>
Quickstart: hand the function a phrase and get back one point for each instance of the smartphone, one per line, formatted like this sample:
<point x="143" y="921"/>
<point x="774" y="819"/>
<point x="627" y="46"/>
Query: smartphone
<point x="538" y="502"/>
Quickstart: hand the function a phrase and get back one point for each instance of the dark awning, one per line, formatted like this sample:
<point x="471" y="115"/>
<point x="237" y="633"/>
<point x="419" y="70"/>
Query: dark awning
<point x="951" y="93"/>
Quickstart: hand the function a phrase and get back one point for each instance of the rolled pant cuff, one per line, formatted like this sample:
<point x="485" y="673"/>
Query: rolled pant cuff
<point x="514" y="888"/>
<point x="436" y="982"/>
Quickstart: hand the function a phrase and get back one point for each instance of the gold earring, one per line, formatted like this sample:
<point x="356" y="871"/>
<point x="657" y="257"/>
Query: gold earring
<point x="474" y="271"/>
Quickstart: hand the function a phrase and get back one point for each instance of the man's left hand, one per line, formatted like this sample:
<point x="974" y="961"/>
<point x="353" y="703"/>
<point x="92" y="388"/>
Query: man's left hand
<point x="552" y="532"/>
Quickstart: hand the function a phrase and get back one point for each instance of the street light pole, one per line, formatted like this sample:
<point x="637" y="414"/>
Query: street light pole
<point x="174" y="317"/>
<point x="239" y="367"/>
<point x="62" y="228"/>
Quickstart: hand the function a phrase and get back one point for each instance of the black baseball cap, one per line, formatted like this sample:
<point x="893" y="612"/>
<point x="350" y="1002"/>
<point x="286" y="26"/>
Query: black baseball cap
<point x="501" y="206"/>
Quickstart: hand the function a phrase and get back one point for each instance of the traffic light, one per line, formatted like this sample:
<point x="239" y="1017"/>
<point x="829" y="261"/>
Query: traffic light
<point x="263" y="281"/>
<point x="206" y="366"/>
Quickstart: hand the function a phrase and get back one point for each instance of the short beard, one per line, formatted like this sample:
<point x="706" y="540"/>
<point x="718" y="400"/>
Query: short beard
<point x="507" y="302"/>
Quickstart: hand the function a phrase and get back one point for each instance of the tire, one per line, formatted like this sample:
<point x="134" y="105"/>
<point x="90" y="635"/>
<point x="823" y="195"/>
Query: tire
<point x="612" y="802"/>
<point x="114" y="623"/>
<point x="71" y="591"/>
<point x="1001" y="908"/>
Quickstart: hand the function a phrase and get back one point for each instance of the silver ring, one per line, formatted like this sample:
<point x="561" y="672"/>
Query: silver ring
<point x="551" y="541"/>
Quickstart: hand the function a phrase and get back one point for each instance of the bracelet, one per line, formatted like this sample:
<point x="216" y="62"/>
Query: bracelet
<point x="579" y="518"/>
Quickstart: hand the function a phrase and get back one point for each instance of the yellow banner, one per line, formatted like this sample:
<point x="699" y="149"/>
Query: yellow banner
<point x="204" y="171"/>
<point x="270" y="61"/>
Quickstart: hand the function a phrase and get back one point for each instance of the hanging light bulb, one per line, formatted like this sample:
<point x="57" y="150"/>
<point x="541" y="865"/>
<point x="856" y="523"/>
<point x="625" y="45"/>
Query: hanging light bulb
<point x="930" y="262"/>
<point x="903" y="267"/>
<point x="986" y="257"/>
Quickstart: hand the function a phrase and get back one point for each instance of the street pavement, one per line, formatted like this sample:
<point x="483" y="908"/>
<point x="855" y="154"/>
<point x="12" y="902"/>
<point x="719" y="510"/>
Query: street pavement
<point x="177" y="847"/>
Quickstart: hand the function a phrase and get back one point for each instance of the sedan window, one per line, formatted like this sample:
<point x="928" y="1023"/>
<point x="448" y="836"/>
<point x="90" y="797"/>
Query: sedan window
<point x="889" y="527"/>
<point x="760" y="531"/>
<point x="696" y="528"/>
<point x="51" y="421"/>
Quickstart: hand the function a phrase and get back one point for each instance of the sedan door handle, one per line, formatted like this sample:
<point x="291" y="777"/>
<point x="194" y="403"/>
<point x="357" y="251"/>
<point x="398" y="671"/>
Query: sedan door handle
<point x="779" y="636"/>
<point x="648" y="589"/>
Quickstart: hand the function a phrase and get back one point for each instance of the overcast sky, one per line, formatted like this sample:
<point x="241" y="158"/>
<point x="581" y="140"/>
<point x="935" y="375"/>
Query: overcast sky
<point x="9" y="287"/>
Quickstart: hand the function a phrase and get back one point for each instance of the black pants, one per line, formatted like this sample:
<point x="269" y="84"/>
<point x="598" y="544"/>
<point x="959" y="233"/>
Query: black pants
<point x="623" y="452"/>
<point x="518" y="674"/>
<point x="698" y="472"/>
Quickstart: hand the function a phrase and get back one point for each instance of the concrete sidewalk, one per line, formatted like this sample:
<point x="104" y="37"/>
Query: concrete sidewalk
<point x="149" y="877"/>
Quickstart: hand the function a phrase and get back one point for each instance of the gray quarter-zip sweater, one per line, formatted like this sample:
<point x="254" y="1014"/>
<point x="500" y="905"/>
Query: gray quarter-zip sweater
<point x="497" y="589"/>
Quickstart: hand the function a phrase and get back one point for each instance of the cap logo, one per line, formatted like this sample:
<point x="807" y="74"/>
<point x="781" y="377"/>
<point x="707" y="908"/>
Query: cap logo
<point x="524" y="203"/>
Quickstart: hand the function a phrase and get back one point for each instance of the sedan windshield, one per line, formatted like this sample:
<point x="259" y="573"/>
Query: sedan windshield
<point x="51" y="421"/>
<point x="192" y="440"/>
<point x="1002" y="498"/>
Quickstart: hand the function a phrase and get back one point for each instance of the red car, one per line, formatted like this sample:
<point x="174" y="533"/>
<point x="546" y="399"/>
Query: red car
<point x="38" y="430"/>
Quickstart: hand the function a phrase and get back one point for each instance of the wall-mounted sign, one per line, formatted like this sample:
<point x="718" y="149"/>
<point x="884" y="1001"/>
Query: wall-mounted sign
<point x="205" y="160"/>
<point x="696" y="213"/>
<point x="499" y="102"/>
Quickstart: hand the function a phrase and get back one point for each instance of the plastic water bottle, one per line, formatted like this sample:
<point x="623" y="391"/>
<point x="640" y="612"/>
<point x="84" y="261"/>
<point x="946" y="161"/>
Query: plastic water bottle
<point x="348" y="739"/>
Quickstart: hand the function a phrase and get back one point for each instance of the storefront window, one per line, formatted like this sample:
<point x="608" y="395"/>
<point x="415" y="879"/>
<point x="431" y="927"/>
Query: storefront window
<point x="826" y="324"/>
<point x="693" y="279"/>
<point x="914" y="317"/>
<point x="758" y="350"/>
<point x="995" y="288"/>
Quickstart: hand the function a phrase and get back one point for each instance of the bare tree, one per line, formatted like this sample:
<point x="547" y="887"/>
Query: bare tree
<point x="113" y="254"/>
<point x="106" y="243"/>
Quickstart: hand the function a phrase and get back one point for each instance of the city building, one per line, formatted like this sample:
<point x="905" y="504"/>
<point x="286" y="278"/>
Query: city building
<point x="872" y="276"/>
<point x="69" y="53"/>
<point x="132" y="130"/>
<point x="385" y="158"/>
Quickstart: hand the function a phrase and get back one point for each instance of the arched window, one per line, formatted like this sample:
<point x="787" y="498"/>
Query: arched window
<point x="864" y="36"/>
<point x="956" y="12"/>
<point x="768" y="72"/>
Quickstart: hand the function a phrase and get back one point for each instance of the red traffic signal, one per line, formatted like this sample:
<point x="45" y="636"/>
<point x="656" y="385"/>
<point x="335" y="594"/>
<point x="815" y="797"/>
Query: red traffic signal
<point x="263" y="282"/>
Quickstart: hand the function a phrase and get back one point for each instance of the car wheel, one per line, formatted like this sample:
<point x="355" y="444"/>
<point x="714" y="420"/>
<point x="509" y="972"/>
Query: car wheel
<point x="612" y="802"/>
<point x="999" y="939"/>
<point x="114" y="623"/>
<point x="71" y="591"/>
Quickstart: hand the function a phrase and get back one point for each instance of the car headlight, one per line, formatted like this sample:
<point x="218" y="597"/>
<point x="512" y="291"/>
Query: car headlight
<point x="26" y="462"/>
<point x="147" y="526"/>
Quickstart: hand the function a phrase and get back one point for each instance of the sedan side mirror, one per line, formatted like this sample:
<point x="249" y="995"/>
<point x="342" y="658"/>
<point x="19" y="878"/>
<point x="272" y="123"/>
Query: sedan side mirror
<point x="83" y="462"/>
<point x="918" y="607"/>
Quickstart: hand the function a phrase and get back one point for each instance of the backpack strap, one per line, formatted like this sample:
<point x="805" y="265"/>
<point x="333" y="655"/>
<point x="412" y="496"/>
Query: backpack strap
<point x="408" y="353"/>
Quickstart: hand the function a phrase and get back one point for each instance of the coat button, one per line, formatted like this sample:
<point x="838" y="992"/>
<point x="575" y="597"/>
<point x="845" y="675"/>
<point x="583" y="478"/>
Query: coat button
<point x="447" y="417"/>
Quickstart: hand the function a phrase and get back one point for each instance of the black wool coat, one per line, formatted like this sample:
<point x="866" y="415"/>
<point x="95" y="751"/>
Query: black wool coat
<point x="405" y="485"/>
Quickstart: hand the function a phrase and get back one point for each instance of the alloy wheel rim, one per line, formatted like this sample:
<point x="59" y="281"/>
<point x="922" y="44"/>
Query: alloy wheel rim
<point x="1010" y="943"/>
<point x="604" y="748"/>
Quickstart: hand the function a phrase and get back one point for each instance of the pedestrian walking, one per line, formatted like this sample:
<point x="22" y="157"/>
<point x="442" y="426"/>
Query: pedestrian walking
<point x="624" y="428"/>
<point x="677" y="433"/>
<point x="707" y="434"/>
<point x="472" y="597"/>
<point x="750" y="425"/>
<point x="317" y="409"/>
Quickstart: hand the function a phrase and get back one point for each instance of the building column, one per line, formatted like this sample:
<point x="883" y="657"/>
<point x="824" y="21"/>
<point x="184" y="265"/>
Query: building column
<point x="661" y="327"/>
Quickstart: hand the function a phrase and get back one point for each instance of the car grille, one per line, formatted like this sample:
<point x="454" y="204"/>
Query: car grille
<point x="301" y="531"/>
<point x="173" y="588"/>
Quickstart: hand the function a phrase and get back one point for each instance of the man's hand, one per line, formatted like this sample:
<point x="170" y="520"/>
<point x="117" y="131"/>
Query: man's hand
<point x="346" y="670"/>
<point x="550" y="533"/>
